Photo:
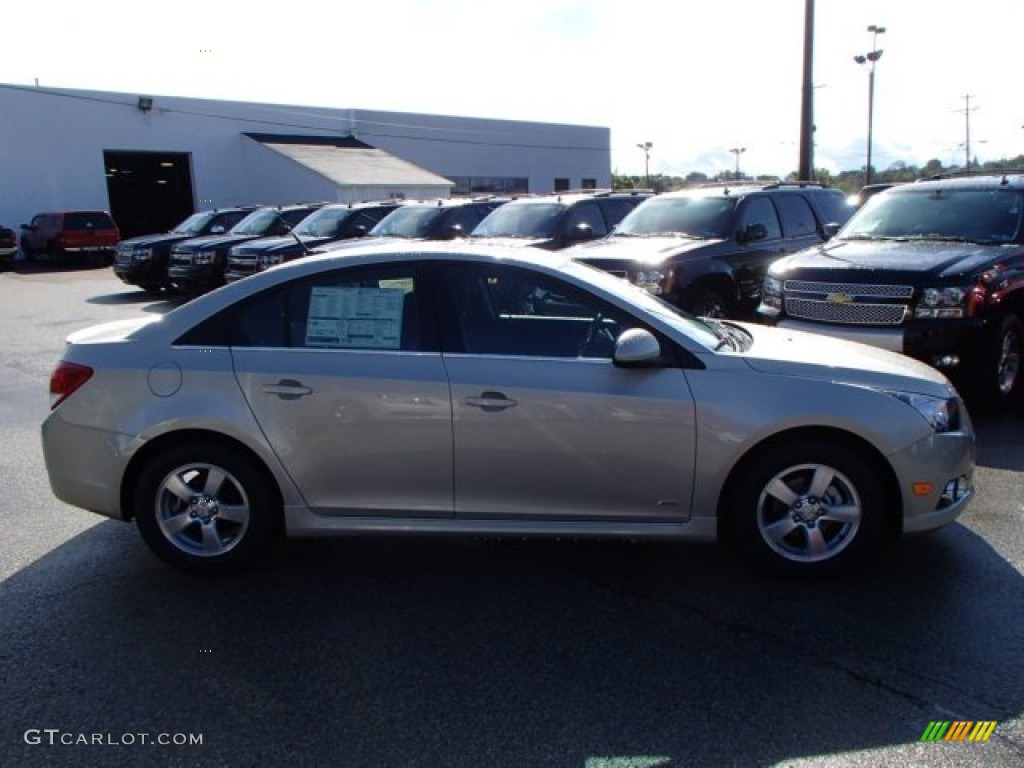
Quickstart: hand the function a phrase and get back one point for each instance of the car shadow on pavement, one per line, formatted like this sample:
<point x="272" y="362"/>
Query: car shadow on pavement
<point x="508" y="652"/>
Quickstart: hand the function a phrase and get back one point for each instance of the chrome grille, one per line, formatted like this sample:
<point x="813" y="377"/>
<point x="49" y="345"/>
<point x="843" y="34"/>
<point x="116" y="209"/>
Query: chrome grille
<point x="851" y="313"/>
<point x="865" y="290"/>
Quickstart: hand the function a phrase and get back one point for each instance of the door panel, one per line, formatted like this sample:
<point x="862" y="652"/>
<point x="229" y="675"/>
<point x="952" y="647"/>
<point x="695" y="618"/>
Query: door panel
<point x="570" y="439"/>
<point x="360" y="432"/>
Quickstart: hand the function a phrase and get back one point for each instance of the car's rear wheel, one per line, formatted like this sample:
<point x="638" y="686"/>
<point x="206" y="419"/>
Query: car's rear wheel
<point x="205" y="508"/>
<point x="807" y="507"/>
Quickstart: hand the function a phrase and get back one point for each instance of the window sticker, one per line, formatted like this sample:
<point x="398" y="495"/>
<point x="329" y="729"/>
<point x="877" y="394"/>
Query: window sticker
<point x="355" y="317"/>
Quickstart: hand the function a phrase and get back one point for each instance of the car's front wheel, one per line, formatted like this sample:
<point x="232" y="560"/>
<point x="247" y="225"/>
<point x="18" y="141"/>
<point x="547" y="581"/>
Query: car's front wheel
<point x="1001" y="378"/>
<point x="807" y="507"/>
<point x="205" y="508"/>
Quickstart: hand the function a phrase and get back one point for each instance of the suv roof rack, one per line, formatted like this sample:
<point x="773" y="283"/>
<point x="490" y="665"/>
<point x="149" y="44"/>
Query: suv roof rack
<point x="969" y="173"/>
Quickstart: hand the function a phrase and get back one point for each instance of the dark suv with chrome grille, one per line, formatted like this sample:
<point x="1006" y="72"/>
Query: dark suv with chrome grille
<point x="706" y="249"/>
<point x="933" y="269"/>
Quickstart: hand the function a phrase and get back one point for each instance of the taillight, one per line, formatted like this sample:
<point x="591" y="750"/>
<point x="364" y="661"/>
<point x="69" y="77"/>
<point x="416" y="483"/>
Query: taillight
<point x="65" y="380"/>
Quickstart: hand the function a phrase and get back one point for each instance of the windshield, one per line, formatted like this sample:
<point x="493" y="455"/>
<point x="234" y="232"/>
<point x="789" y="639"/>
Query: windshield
<point x="323" y="223"/>
<point x="256" y="223"/>
<point x="973" y="215"/>
<point x="411" y="221"/>
<point x="194" y="224"/>
<point x="695" y="216"/>
<point x="521" y="220"/>
<point x="701" y="332"/>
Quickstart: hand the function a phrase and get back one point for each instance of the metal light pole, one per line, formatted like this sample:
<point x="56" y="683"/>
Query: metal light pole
<point x="646" y="147"/>
<point x="871" y="56"/>
<point x="738" y="151"/>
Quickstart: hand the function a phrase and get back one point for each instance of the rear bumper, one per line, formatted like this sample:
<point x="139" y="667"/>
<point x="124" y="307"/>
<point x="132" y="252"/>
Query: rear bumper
<point x="85" y="465"/>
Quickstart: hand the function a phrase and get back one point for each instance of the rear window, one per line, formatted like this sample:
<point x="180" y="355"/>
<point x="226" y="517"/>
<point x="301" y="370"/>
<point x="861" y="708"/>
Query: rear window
<point x="88" y="220"/>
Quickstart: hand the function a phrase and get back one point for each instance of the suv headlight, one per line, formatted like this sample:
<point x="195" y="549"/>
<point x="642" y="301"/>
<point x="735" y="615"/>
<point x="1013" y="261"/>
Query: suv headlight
<point x="142" y="254"/>
<point x="771" y="294"/>
<point x="270" y="259"/>
<point x="942" y="303"/>
<point x="651" y="280"/>
<point x="204" y="257"/>
<point x="942" y="413"/>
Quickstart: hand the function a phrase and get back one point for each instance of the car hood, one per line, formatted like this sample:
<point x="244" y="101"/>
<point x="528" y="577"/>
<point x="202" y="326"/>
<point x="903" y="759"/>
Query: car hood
<point x="809" y="355"/>
<point x="922" y="257"/>
<point x="651" y="250"/>
<point x="164" y="238"/>
<point x="216" y="241"/>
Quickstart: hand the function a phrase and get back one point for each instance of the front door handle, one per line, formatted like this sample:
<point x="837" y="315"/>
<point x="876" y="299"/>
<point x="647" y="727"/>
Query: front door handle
<point x="491" y="401"/>
<point x="287" y="389"/>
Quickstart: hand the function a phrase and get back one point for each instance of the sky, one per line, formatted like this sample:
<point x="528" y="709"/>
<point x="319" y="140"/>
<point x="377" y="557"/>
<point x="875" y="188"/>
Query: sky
<point x="695" y="79"/>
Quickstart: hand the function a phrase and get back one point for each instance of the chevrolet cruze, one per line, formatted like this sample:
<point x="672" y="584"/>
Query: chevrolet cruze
<point x="466" y="389"/>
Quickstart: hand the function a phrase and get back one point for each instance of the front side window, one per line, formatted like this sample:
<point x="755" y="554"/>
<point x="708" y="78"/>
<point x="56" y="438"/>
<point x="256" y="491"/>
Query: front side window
<point x="503" y="310"/>
<point x="760" y="210"/>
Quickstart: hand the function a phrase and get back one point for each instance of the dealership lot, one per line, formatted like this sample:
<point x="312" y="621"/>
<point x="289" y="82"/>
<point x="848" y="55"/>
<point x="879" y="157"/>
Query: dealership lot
<point x="473" y="652"/>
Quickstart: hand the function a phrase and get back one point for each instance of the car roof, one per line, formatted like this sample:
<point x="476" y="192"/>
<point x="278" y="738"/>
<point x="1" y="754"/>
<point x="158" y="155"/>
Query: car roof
<point x="1008" y="180"/>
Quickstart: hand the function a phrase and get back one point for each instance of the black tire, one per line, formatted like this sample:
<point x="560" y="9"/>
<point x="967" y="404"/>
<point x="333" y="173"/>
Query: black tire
<point x="705" y="302"/>
<point x="205" y="508"/>
<point x="814" y="531"/>
<point x="1000" y="380"/>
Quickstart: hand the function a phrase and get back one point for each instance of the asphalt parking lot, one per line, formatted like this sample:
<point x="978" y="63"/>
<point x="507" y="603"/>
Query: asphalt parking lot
<point x="483" y="652"/>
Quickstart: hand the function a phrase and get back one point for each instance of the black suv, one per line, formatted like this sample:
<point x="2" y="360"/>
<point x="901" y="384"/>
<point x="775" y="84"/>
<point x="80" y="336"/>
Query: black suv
<point x="560" y="220"/>
<point x="199" y="264"/>
<point x="143" y="260"/>
<point x="933" y="269"/>
<point x="341" y="221"/>
<point x="442" y="219"/>
<point x="707" y="249"/>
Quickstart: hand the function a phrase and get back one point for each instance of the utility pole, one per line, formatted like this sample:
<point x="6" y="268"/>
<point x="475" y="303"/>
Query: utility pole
<point x="806" y="171"/>
<point x="967" y="128"/>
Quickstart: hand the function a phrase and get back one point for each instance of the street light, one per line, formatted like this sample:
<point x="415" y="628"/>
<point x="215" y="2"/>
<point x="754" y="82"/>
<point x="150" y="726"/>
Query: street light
<point x="872" y="56"/>
<point x="738" y="151"/>
<point x="646" y="147"/>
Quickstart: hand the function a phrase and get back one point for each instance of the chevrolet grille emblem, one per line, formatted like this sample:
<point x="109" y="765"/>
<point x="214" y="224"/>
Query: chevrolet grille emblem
<point x="839" y="298"/>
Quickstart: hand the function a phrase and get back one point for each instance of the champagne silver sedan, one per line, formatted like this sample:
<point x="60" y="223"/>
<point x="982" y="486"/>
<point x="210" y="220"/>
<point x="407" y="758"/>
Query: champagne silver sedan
<point x="477" y="390"/>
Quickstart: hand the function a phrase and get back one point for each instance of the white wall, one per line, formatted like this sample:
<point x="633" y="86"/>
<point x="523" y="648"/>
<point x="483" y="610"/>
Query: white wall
<point x="52" y="143"/>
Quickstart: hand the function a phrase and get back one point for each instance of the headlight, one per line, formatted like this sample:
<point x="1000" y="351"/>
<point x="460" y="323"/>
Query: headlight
<point x="142" y="254"/>
<point x="942" y="413"/>
<point x="203" y="257"/>
<point x="941" y="303"/>
<point x="650" y="280"/>
<point x="270" y="259"/>
<point x="771" y="294"/>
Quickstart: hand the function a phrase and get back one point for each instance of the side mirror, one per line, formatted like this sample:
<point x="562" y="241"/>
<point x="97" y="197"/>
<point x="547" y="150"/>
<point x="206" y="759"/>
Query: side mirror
<point x="830" y="230"/>
<point x="217" y="229"/>
<point x="636" y="348"/>
<point x="27" y="226"/>
<point x="359" y="230"/>
<point x="454" y="231"/>
<point x="580" y="233"/>
<point x="752" y="233"/>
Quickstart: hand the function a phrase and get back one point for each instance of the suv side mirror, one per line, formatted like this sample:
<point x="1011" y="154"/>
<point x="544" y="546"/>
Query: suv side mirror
<point x="27" y="226"/>
<point x="752" y="232"/>
<point x="217" y="229"/>
<point x="636" y="348"/>
<point x="580" y="233"/>
<point x="830" y="230"/>
<point x="454" y="231"/>
<point x="359" y="230"/>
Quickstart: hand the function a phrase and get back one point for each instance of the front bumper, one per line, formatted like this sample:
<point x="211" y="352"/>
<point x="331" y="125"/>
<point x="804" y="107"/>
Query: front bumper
<point x="196" y="276"/>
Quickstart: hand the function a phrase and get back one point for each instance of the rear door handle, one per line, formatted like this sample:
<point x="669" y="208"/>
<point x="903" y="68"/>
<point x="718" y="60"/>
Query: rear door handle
<point x="287" y="389"/>
<point x="491" y="401"/>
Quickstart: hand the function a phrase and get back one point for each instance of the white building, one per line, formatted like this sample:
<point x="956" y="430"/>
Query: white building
<point x="152" y="160"/>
